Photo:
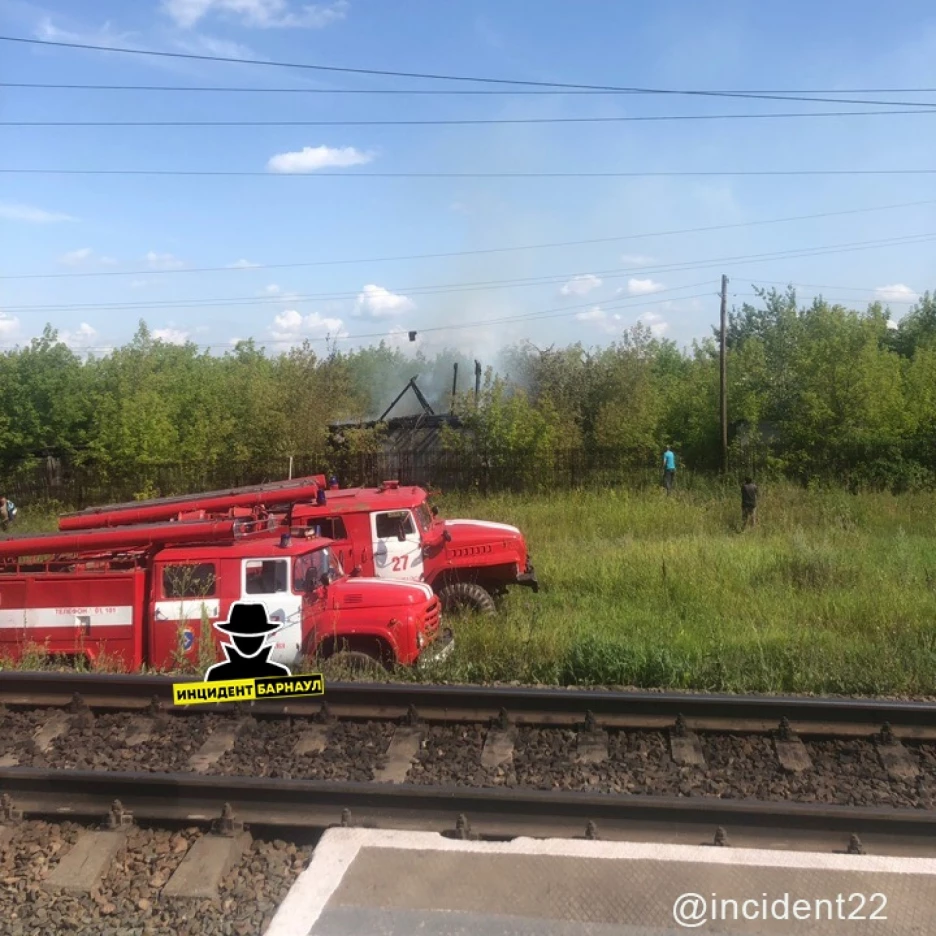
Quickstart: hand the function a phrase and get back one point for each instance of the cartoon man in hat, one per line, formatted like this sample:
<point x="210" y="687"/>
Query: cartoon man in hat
<point x="249" y="627"/>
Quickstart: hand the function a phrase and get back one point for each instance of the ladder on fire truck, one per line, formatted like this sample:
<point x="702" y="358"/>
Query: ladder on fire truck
<point x="140" y="538"/>
<point x="244" y="502"/>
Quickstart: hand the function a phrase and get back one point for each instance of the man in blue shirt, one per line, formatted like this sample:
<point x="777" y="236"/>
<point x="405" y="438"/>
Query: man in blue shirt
<point x="669" y="469"/>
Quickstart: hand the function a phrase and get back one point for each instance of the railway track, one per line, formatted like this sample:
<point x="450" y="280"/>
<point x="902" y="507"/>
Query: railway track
<point x="494" y="762"/>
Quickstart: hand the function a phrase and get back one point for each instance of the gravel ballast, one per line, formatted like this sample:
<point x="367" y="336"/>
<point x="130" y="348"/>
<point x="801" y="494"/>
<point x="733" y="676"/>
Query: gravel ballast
<point x="128" y="901"/>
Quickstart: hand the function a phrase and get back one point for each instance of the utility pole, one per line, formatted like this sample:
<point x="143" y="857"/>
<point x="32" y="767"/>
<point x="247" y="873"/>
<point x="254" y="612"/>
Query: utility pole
<point x="724" y="372"/>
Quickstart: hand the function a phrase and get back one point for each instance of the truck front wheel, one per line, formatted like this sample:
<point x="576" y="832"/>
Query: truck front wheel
<point x="466" y="596"/>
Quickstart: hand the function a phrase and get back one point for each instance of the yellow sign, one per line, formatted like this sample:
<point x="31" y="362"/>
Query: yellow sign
<point x="248" y="690"/>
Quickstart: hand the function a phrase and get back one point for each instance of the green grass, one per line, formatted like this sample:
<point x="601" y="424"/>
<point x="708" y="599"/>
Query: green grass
<point x="833" y="593"/>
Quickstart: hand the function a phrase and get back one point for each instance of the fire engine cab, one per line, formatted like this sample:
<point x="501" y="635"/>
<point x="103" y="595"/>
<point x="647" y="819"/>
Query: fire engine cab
<point x="143" y="595"/>
<point x="388" y="532"/>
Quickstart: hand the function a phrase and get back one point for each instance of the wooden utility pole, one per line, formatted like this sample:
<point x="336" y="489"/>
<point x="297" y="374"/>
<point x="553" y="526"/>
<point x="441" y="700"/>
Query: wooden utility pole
<point x="724" y="372"/>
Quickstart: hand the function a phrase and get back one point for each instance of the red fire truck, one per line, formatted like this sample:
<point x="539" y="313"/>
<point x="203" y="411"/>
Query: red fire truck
<point x="143" y="594"/>
<point x="389" y="532"/>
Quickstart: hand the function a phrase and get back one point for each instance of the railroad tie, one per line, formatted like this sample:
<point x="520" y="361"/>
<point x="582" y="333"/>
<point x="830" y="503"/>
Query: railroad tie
<point x="312" y="741"/>
<point x="592" y="747"/>
<point x="53" y="728"/>
<point x="791" y="752"/>
<point x="83" y="867"/>
<point x="204" y="867"/>
<point x="216" y="745"/>
<point x="498" y="750"/>
<point x="894" y="757"/>
<point x="139" y="731"/>
<point x="403" y="747"/>
<point x="685" y="747"/>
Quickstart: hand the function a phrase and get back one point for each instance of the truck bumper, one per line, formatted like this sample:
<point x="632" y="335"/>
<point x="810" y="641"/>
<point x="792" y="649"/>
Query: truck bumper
<point x="440" y="649"/>
<point x="528" y="579"/>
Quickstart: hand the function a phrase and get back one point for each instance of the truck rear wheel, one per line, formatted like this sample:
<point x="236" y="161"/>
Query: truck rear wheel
<point x="466" y="596"/>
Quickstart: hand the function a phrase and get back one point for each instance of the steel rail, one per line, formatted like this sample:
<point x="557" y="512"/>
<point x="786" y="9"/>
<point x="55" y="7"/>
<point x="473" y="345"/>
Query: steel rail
<point x="813" y="716"/>
<point x="298" y="805"/>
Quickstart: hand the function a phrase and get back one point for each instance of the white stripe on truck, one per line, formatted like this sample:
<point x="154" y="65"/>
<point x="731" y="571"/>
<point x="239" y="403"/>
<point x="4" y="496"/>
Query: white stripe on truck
<point x="189" y="610"/>
<point x="93" y="616"/>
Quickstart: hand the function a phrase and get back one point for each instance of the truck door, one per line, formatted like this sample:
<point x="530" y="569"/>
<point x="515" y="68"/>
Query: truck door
<point x="397" y="545"/>
<point x="268" y="581"/>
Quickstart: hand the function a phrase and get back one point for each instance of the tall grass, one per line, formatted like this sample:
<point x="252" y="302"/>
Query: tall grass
<point x="832" y="593"/>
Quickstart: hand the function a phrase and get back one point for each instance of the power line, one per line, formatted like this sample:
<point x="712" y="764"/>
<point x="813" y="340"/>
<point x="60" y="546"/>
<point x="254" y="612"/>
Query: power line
<point x="442" y="77"/>
<point x="711" y="263"/>
<point x="232" y="173"/>
<point x="433" y="91"/>
<point x="477" y="252"/>
<point x="158" y="304"/>
<point x="864" y="289"/>
<point x="515" y="318"/>
<point x="929" y="110"/>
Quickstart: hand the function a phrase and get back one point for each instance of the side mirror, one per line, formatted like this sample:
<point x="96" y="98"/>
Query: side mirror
<point x="446" y="536"/>
<point x="435" y="511"/>
<point x="324" y="580"/>
<point x="401" y="536"/>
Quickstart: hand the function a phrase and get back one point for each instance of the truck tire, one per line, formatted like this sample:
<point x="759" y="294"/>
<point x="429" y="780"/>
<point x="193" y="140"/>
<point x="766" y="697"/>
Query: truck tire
<point x="469" y="596"/>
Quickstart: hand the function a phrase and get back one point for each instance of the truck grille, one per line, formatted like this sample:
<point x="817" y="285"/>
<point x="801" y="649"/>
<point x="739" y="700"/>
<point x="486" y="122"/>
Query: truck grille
<point x="463" y="551"/>
<point x="433" y="614"/>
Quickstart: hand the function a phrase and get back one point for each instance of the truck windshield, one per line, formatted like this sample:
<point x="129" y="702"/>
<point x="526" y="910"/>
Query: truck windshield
<point x="309" y="568"/>
<point x="423" y="516"/>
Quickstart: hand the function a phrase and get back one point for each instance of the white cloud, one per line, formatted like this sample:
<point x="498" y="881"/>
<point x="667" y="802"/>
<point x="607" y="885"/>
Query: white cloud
<point x="272" y="289"/>
<point x="636" y="259"/>
<point x="898" y="292"/>
<point x="610" y="323"/>
<point x="199" y="44"/>
<point x="76" y="257"/>
<point x="654" y="322"/>
<point x="9" y="325"/>
<point x="11" y="211"/>
<point x="80" y="339"/>
<point x="164" y="261"/>
<point x="243" y="265"/>
<point x="311" y="158"/>
<point x="376" y="302"/>
<point x="892" y="324"/>
<point x="171" y="335"/>
<point x="104" y="36"/>
<point x="263" y="14"/>
<point x="292" y="326"/>
<point x="82" y="256"/>
<point x="580" y="285"/>
<point x="642" y="287"/>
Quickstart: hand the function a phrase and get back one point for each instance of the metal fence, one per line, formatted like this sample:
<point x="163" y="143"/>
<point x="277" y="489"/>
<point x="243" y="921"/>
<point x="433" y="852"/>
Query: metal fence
<point x="83" y="485"/>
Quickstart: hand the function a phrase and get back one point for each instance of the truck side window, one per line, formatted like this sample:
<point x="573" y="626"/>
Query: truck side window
<point x="388" y="524"/>
<point x="329" y="527"/>
<point x="189" y="581"/>
<point x="266" y="576"/>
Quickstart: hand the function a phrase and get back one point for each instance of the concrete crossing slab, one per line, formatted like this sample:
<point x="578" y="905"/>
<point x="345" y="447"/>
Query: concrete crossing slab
<point x="366" y="882"/>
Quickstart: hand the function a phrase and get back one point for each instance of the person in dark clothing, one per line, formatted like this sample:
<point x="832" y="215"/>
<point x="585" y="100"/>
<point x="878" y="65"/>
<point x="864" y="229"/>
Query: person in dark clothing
<point x="249" y="628"/>
<point x="748" y="503"/>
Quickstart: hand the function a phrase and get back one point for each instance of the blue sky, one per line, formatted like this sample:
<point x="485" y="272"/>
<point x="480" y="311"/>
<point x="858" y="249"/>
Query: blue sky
<point x="145" y="233"/>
